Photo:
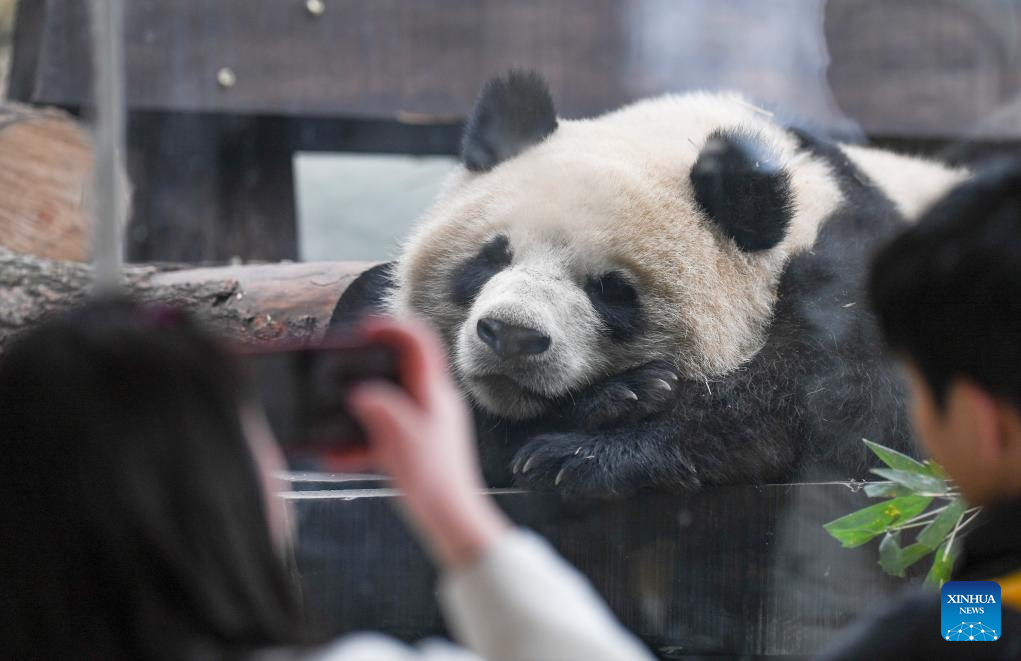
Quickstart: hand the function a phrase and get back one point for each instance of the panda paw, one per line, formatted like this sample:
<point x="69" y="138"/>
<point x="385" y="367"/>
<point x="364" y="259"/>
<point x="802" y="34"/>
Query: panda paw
<point x="627" y="397"/>
<point x="601" y="465"/>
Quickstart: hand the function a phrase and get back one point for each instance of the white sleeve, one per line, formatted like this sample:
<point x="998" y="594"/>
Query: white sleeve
<point x="522" y="602"/>
<point x="377" y="647"/>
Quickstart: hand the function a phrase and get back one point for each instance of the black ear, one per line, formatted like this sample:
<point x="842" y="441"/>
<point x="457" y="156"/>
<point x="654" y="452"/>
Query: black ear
<point x="741" y="185"/>
<point x="364" y="297"/>
<point x="512" y="114"/>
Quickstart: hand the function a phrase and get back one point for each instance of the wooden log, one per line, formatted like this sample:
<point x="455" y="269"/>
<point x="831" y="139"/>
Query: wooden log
<point x="253" y="305"/>
<point x="45" y="175"/>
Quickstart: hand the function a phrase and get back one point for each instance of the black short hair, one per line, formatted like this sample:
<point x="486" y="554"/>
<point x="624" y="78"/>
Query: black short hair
<point x="132" y="512"/>
<point x="947" y="291"/>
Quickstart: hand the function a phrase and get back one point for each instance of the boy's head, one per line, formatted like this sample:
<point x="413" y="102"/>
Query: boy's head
<point x="947" y="293"/>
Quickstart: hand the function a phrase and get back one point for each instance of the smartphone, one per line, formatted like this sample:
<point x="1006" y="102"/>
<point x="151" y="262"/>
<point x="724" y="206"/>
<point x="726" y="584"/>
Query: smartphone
<point x="303" y="392"/>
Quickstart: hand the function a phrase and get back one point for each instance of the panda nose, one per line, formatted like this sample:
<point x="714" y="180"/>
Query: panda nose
<point x="511" y="341"/>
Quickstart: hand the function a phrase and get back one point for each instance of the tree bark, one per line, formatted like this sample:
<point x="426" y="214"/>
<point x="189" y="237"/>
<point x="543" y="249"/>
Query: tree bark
<point x="253" y="305"/>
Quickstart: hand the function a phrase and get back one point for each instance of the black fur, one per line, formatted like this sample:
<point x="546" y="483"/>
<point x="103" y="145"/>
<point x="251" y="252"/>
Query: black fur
<point x="626" y="397"/>
<point x="364" y="296"/>
<point x="742" y="188"/>
<point x="617" y="303"/>
<point x="471" y="276"/>
<point x="512" y="114"/>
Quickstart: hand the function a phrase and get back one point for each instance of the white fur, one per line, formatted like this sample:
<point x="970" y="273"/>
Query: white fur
<point x="912" y="183"/>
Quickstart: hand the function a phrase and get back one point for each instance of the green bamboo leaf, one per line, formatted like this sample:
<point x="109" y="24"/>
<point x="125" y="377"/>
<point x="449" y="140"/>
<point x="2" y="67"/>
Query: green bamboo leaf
<point x="934" y="469"/>
<point x="911" y="554"/>
<point x="886" y="490"/>
<point x="894" y="559"/>
<point x="859" y="527"/>
<point x="914" y="481"/>
<point x="896" y="460"/>
<point x="942" y="563"/>
<point x="933" y="534"/>
<point x="889" y="552"/>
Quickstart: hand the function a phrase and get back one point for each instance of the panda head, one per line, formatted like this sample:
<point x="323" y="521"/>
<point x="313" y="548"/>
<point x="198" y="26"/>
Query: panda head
<point x="565" y="251"/>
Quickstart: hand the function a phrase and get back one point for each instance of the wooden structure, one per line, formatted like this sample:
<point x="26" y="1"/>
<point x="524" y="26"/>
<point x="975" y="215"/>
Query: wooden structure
<point x="222" y="94"/>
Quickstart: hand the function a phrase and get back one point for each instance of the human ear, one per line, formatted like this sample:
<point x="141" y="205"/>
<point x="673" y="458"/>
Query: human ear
<point x="983" y="417"/>
<point x="1009" y="418"/>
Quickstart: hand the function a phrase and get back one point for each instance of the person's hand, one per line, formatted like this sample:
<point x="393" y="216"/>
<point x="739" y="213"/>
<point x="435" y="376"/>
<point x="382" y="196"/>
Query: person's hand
<point x="422" y="437"/>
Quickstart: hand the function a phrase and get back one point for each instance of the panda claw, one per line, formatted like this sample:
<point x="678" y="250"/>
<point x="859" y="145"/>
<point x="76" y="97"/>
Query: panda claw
<point x="528" y="464"/>
<point x="660" y="383"/>
<point x="630" y="394"/>
<point x="560" y="476"/>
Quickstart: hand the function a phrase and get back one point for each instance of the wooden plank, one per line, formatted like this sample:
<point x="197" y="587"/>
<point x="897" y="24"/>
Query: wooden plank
<point x="425" y="60"/>
<point x="918" y="69"/>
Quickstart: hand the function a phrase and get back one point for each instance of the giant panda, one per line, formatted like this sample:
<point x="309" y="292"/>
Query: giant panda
<point x="665" y="297"/>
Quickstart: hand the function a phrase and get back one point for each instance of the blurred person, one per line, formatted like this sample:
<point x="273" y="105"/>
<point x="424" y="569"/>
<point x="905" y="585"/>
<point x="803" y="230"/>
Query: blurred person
<point x="140" y="523"/>
<point x="947" y="293"/>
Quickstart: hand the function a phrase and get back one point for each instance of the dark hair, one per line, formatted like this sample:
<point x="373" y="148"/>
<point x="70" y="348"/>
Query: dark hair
<point x="948" y="290"/>
<point x="132" y="513"/>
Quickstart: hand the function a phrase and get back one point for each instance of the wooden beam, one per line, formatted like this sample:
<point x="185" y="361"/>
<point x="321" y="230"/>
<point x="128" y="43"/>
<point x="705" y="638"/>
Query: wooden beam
<point x="920" y="68"/>
<point x="425" y="61"/>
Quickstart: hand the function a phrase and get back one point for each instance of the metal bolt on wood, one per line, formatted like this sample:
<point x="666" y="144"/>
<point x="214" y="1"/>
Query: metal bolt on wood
<point x="315" y="7"/>
<point x="226" y="78"/>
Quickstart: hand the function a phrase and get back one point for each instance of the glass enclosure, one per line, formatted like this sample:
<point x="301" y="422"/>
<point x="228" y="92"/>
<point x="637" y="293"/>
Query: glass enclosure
<point x="275" y="150"/>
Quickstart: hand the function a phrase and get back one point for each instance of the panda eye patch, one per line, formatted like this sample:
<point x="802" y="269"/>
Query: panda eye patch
<point x="617" y="303"/>
<point x="472" y="275"/>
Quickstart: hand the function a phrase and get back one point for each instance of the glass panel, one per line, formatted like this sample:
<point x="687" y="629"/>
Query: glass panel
<point x="735" y="571"/>
<point x="275" y="149"/>
<point x="358" y="207"/>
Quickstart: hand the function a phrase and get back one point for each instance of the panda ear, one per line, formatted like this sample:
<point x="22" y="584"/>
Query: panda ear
<point x="512" y="114"/>
<point x="741" y="185"/>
